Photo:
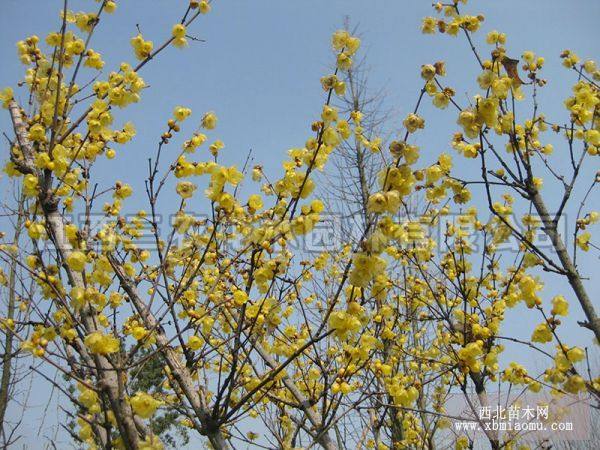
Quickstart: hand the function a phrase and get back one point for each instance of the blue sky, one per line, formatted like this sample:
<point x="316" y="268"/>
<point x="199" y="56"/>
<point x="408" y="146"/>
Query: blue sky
<point x="260" y="66"/>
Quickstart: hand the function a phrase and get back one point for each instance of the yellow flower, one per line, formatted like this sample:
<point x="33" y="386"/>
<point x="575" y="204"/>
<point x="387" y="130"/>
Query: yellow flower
<point x="467" y="120"/>
<point x="560" y="306"/>
<point x="204" y="7"/>
<point x="487" y="111"/>
<point x="195" y="342"/>
<point x="115" y="299"/>
<point x="110" y="6"/>
<point x="139" y="333"/>
<point x="85" y="22"/>
<point x="178" y="31"/>
<point x="76" y="261"/>
<point x="257" y="173"/>
<point x="338" y="39"/>
<point x="122" y="191"/>
<point x="317" y="206"/>
<point x="240" y="297"/>
<point x="343" y="323"/>
<point x="542" y="333"/>
<point x="78" y="297"/>
<point x="384" y="202"/>
<point x="365" y="268"/>
<point x="441" y="100"/>
<point x="89" y="399"/>
<point x="574" y="384"/>
<point x="180" y="42"/>
<point x="144" y="405"/>
<point x="583" y="241"/>
<point x="356" y="117"/>
<point x="427" y="71"/>
<point x="196" y="141"/>
<point x="377" y="203"/>
<point x="329" y="114"/>
<point x="85" y="429"/>
<point x="342" y="40"/>
<point x="185" y="189"/>
<point x="495" y="37"/>
<point x="255" y="202"/>
<point x="216" y="146"/>
<point x="227" y="201"/>
<point x="343" y="128"/>
<point x="428" y="25"/>
<point x="180" y="113"/>
<point x="6" y="95"/>
<point x="331" y="137"/>
<point x="433" y="173"/>
<point x="403" y="396"/>
<point x="344" y="62"/>
<point x="209" y="121"/>
<point x="141" y="48"/>
<point x="575" y="354"/>
<point x="151" y="443"/>
<point x="462" y="443"/>
<point x="529" y="288"/>
<point x="36" y="230"/>
<point x="101" y="343"/>
<point x="413" y="122"/>
<point x="37" y="133"/>
<point x="469" y="355"/>
<point x="590" y="66"/>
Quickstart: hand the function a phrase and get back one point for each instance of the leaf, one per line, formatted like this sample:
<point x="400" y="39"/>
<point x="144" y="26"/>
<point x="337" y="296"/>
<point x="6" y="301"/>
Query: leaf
<point x="510" y="65"/>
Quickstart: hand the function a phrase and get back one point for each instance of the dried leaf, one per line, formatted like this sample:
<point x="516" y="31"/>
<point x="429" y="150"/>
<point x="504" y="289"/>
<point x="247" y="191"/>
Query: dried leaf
<point x="510" y="65"/>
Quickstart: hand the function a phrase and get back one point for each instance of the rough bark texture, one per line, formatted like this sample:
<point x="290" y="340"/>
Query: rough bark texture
<point x="322" y="436"/>
<point x="180" y="372"/>
<point x="550" y="228"/>
<point x="184" y="377"/>
<point x="25" y="164"/>
<point x="107" y="374"/>
<point x="10" y="314"/>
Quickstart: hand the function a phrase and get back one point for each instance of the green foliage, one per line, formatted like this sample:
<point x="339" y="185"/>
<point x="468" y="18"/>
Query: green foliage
<point x="149" y="377"/>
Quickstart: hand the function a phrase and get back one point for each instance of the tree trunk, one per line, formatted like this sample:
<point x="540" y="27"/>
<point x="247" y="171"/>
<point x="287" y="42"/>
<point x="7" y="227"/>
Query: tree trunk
<point x="593" y="322"/>
<point x="10" y="314"/>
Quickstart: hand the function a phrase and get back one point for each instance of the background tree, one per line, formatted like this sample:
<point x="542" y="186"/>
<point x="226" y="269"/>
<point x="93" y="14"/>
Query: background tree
<point x="13" y="382"/>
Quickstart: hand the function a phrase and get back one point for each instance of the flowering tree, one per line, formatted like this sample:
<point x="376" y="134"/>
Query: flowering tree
<point x="360" y="346"/>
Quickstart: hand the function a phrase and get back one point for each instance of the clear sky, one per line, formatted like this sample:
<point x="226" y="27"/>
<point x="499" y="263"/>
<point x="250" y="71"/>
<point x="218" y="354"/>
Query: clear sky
<point x="260" y="66"/>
